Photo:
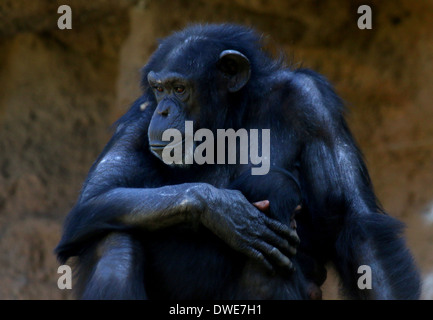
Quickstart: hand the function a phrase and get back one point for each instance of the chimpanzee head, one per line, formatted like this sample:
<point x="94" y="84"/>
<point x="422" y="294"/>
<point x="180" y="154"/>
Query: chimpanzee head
<point x="195" y="75"/>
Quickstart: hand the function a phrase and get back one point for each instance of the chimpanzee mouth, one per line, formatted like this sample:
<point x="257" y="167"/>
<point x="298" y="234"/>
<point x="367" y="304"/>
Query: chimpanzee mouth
<point x="159" y="146"/>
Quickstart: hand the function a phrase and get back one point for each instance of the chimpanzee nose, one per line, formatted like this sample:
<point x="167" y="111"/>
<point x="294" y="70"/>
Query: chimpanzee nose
<point x="164" y="111"/>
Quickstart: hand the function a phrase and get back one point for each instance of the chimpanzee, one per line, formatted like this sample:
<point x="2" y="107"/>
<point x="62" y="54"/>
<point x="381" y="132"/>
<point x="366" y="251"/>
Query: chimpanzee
<point x="143" y="228"/>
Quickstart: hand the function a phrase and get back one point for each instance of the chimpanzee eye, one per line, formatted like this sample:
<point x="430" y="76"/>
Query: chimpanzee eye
<point x="179" y="89"/>
<point x="158" y="88"/>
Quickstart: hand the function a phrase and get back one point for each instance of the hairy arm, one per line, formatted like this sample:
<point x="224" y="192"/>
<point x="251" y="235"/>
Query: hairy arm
<point x="352" y="227"/>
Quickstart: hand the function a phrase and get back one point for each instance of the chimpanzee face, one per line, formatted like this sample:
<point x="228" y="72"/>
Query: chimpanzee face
<point x="176" y="94"/>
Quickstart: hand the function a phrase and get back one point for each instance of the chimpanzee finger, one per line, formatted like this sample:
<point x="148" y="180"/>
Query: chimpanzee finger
<point x="275" y="240"/>
<point x="294" y="238"/>
<point x="262" y="205"/>
<point x="275" y="255"/>
<point x="281" y="229"/>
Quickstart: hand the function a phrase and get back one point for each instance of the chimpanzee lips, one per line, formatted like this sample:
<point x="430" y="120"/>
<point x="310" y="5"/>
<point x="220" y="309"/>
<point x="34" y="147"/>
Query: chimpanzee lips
<point x="159" y="145"/>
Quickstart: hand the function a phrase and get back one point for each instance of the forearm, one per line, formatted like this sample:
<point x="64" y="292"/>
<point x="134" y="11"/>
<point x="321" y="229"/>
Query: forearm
<point x="128" y="208"/>
<point x="152" y="209"/>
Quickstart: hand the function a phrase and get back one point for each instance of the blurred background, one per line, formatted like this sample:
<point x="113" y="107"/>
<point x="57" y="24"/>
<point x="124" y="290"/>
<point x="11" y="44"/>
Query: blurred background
<point x="60" y="90"/>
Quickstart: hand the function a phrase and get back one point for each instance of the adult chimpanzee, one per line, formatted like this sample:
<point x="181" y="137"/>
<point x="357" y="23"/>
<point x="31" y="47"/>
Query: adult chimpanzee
<point x="145" y="229"/>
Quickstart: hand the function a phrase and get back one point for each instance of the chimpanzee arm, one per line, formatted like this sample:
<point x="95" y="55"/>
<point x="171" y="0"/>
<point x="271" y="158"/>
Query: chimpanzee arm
<point x="348" y="221"/>
<point x="114" y="199"/>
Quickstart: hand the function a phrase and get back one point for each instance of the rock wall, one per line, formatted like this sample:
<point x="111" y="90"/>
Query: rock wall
<point x="60" y="90"/>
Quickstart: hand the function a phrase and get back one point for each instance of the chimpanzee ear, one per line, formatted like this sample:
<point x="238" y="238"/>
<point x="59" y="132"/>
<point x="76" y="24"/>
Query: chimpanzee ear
<point x="236" y="68"/>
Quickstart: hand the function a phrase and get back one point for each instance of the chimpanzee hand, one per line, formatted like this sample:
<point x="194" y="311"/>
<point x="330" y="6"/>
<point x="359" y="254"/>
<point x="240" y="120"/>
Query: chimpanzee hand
<point x="242" y="226"/>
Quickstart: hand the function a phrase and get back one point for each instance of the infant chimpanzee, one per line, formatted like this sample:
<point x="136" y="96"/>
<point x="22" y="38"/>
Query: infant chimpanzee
<point x="278" y="195"/>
